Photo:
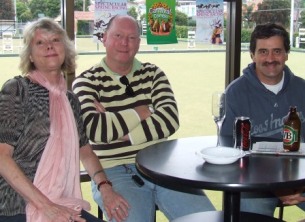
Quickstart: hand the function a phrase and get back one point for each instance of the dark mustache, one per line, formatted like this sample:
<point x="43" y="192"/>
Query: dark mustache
<point x="271" y="63"/>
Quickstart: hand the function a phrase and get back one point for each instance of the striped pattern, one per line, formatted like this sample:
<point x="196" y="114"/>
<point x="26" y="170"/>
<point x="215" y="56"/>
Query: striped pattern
<point x="25" y="124"/>
<point x="104" y="130"/>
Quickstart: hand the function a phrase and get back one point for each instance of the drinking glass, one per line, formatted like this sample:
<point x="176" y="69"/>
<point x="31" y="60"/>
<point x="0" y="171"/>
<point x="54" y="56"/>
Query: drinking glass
<point x="218" y="111"/>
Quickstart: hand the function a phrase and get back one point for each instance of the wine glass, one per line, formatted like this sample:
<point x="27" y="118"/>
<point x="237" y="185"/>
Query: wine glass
<point x="218" y="111"/>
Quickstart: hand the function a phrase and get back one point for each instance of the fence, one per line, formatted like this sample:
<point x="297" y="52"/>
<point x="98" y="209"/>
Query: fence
<point x="7" y="26"/>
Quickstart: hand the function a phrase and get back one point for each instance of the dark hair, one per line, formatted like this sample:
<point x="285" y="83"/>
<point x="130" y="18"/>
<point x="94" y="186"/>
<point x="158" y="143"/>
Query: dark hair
<point x="269" y="30"/>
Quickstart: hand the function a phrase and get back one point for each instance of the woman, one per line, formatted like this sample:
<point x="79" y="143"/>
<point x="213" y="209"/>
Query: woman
<point x="216" y="37"/>
<point x="42" y="137"/>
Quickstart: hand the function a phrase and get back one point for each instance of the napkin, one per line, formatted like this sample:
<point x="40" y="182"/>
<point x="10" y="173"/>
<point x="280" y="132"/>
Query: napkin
<point x="275" y="148"/>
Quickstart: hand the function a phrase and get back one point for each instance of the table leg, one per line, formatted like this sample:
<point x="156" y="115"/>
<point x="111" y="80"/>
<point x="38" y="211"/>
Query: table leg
<point x="231" y="206"/>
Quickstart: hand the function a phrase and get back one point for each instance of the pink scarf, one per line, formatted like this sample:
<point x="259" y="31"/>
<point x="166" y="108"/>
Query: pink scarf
<point x="57" y="174"/>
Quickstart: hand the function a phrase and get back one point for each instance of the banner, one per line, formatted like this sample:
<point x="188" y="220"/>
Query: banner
<point x="209" y="22"/>
<point x="104" y="11"/>
<point x="160" y="16"/>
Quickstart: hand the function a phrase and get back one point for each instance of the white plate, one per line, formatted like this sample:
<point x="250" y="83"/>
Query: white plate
<point x="221" y="154"/>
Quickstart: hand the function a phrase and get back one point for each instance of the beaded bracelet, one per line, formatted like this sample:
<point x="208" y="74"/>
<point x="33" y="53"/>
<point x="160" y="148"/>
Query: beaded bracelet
<point x="103" y="183"/>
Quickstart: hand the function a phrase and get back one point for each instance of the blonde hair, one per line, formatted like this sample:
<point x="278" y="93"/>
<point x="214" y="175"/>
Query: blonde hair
<point x="51" y="26"/>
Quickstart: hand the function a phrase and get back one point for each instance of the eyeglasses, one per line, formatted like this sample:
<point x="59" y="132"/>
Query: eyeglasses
<point x="129" y="91"/>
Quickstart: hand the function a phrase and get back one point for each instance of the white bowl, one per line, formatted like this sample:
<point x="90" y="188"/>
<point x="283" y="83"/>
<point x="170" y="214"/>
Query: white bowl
<point x="221" y="154"/>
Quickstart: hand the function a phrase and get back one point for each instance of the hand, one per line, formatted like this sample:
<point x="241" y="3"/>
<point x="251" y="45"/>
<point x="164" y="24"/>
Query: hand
<point x="143" y="112"/>
<point x="99" y="107"/>
<point x="291" y="197"/>
<point x="115" y="205"/>
<point x="125" y="138"/>
<point x="58" y="213"/>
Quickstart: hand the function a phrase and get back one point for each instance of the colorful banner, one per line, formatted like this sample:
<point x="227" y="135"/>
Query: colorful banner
<point x="160" y="16"/>
<point x="104" y="11"/>
<point x="209" y="22"/>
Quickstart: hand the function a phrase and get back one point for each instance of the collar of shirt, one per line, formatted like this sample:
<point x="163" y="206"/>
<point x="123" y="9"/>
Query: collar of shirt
<point x="277" y="87"/>
<point x="136" y="65"/>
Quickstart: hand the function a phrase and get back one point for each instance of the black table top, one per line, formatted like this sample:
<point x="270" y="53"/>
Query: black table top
<point x="175" y="163"/>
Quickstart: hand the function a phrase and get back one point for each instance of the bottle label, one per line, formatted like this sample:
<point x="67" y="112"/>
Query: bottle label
<point x="290" y="135"/>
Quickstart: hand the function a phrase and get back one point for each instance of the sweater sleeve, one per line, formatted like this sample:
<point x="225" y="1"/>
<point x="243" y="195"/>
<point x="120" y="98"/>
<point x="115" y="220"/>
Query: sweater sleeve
<point x="11" y="112"/>
<point x="164" y="121"/>
<point x="102" y="127"/>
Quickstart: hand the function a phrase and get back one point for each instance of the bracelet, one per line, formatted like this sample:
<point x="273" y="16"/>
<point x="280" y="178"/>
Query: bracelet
<point x="103" y="183"/>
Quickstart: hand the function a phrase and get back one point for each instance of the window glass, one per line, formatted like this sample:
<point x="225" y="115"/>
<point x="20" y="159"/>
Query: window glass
<point x="194" y="69"/>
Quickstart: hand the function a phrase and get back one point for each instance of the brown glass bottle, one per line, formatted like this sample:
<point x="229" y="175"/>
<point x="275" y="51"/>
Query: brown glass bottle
<point x="292" y="130"/>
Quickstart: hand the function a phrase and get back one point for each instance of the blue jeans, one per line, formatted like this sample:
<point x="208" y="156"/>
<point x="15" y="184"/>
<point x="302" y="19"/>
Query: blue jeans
<point x="302" y="205"/>
<point x="142" y="200"/>
<point x="22" y="218"/>
<point x="262" y="203"/>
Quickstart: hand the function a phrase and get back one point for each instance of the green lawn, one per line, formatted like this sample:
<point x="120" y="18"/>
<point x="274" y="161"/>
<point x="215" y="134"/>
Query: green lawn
<point x="194" y="76"/>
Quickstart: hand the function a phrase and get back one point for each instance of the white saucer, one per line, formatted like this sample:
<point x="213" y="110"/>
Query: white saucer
<point x="221" y="154"/>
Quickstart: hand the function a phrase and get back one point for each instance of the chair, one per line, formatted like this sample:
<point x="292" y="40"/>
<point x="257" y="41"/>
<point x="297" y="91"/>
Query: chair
<point x="84" y="177"/>
<point x="281" y="206"/>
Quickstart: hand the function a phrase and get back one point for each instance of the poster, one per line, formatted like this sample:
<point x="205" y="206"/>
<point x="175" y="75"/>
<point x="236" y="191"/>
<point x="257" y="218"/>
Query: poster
<point x="160" y="15"/>
<point x="209" y="22"/>
<point x="104" y="10"/>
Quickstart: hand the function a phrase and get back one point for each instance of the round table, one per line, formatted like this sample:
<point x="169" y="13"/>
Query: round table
<point x="175" y="163"/>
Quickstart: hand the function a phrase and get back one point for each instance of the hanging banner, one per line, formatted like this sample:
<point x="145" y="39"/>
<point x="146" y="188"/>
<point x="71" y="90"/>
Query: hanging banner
<point x="209" y="22"/>
<point x="104" y="11"/>
<point x="160" y="16"/>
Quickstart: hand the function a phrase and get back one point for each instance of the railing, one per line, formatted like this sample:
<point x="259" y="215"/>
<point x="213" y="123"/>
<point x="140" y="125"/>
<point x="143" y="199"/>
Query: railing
<point x="302" y="35"/>
<point x="7" y="26"/>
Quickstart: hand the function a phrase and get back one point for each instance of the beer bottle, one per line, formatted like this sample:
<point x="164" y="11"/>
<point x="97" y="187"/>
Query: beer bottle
<point x="292" y="130"/>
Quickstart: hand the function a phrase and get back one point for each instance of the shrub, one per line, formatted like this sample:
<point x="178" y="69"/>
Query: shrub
<point x="181" y="31"/>
<point x="83" y="27"/>
<point x="246" y="35"/>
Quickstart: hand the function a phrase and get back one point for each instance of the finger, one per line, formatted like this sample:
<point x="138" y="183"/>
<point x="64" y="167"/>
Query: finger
<point x="96" y="104"/>
<point x="73" y="213"/>
<point x="294" y="197"/>
<point x="125" y="203"/>
<point x="108" y="213"/>
<point x="99" y="107"/>
<point x="123" y="211"/>
<point x="115" y="215"/>
<point x="71" y="219"/>
<point x="77" y="216"/>
<point x="302" y="198"/>
<point x="291" y="202"/>
<point x="59" y="213"/>
<point x="119" y="215"/>
<point x="78" y="219"/>
<point x="124" y="207"/>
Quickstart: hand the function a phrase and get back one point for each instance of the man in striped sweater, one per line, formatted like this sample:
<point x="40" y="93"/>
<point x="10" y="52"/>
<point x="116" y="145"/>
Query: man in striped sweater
<point x="126" y="106"/>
